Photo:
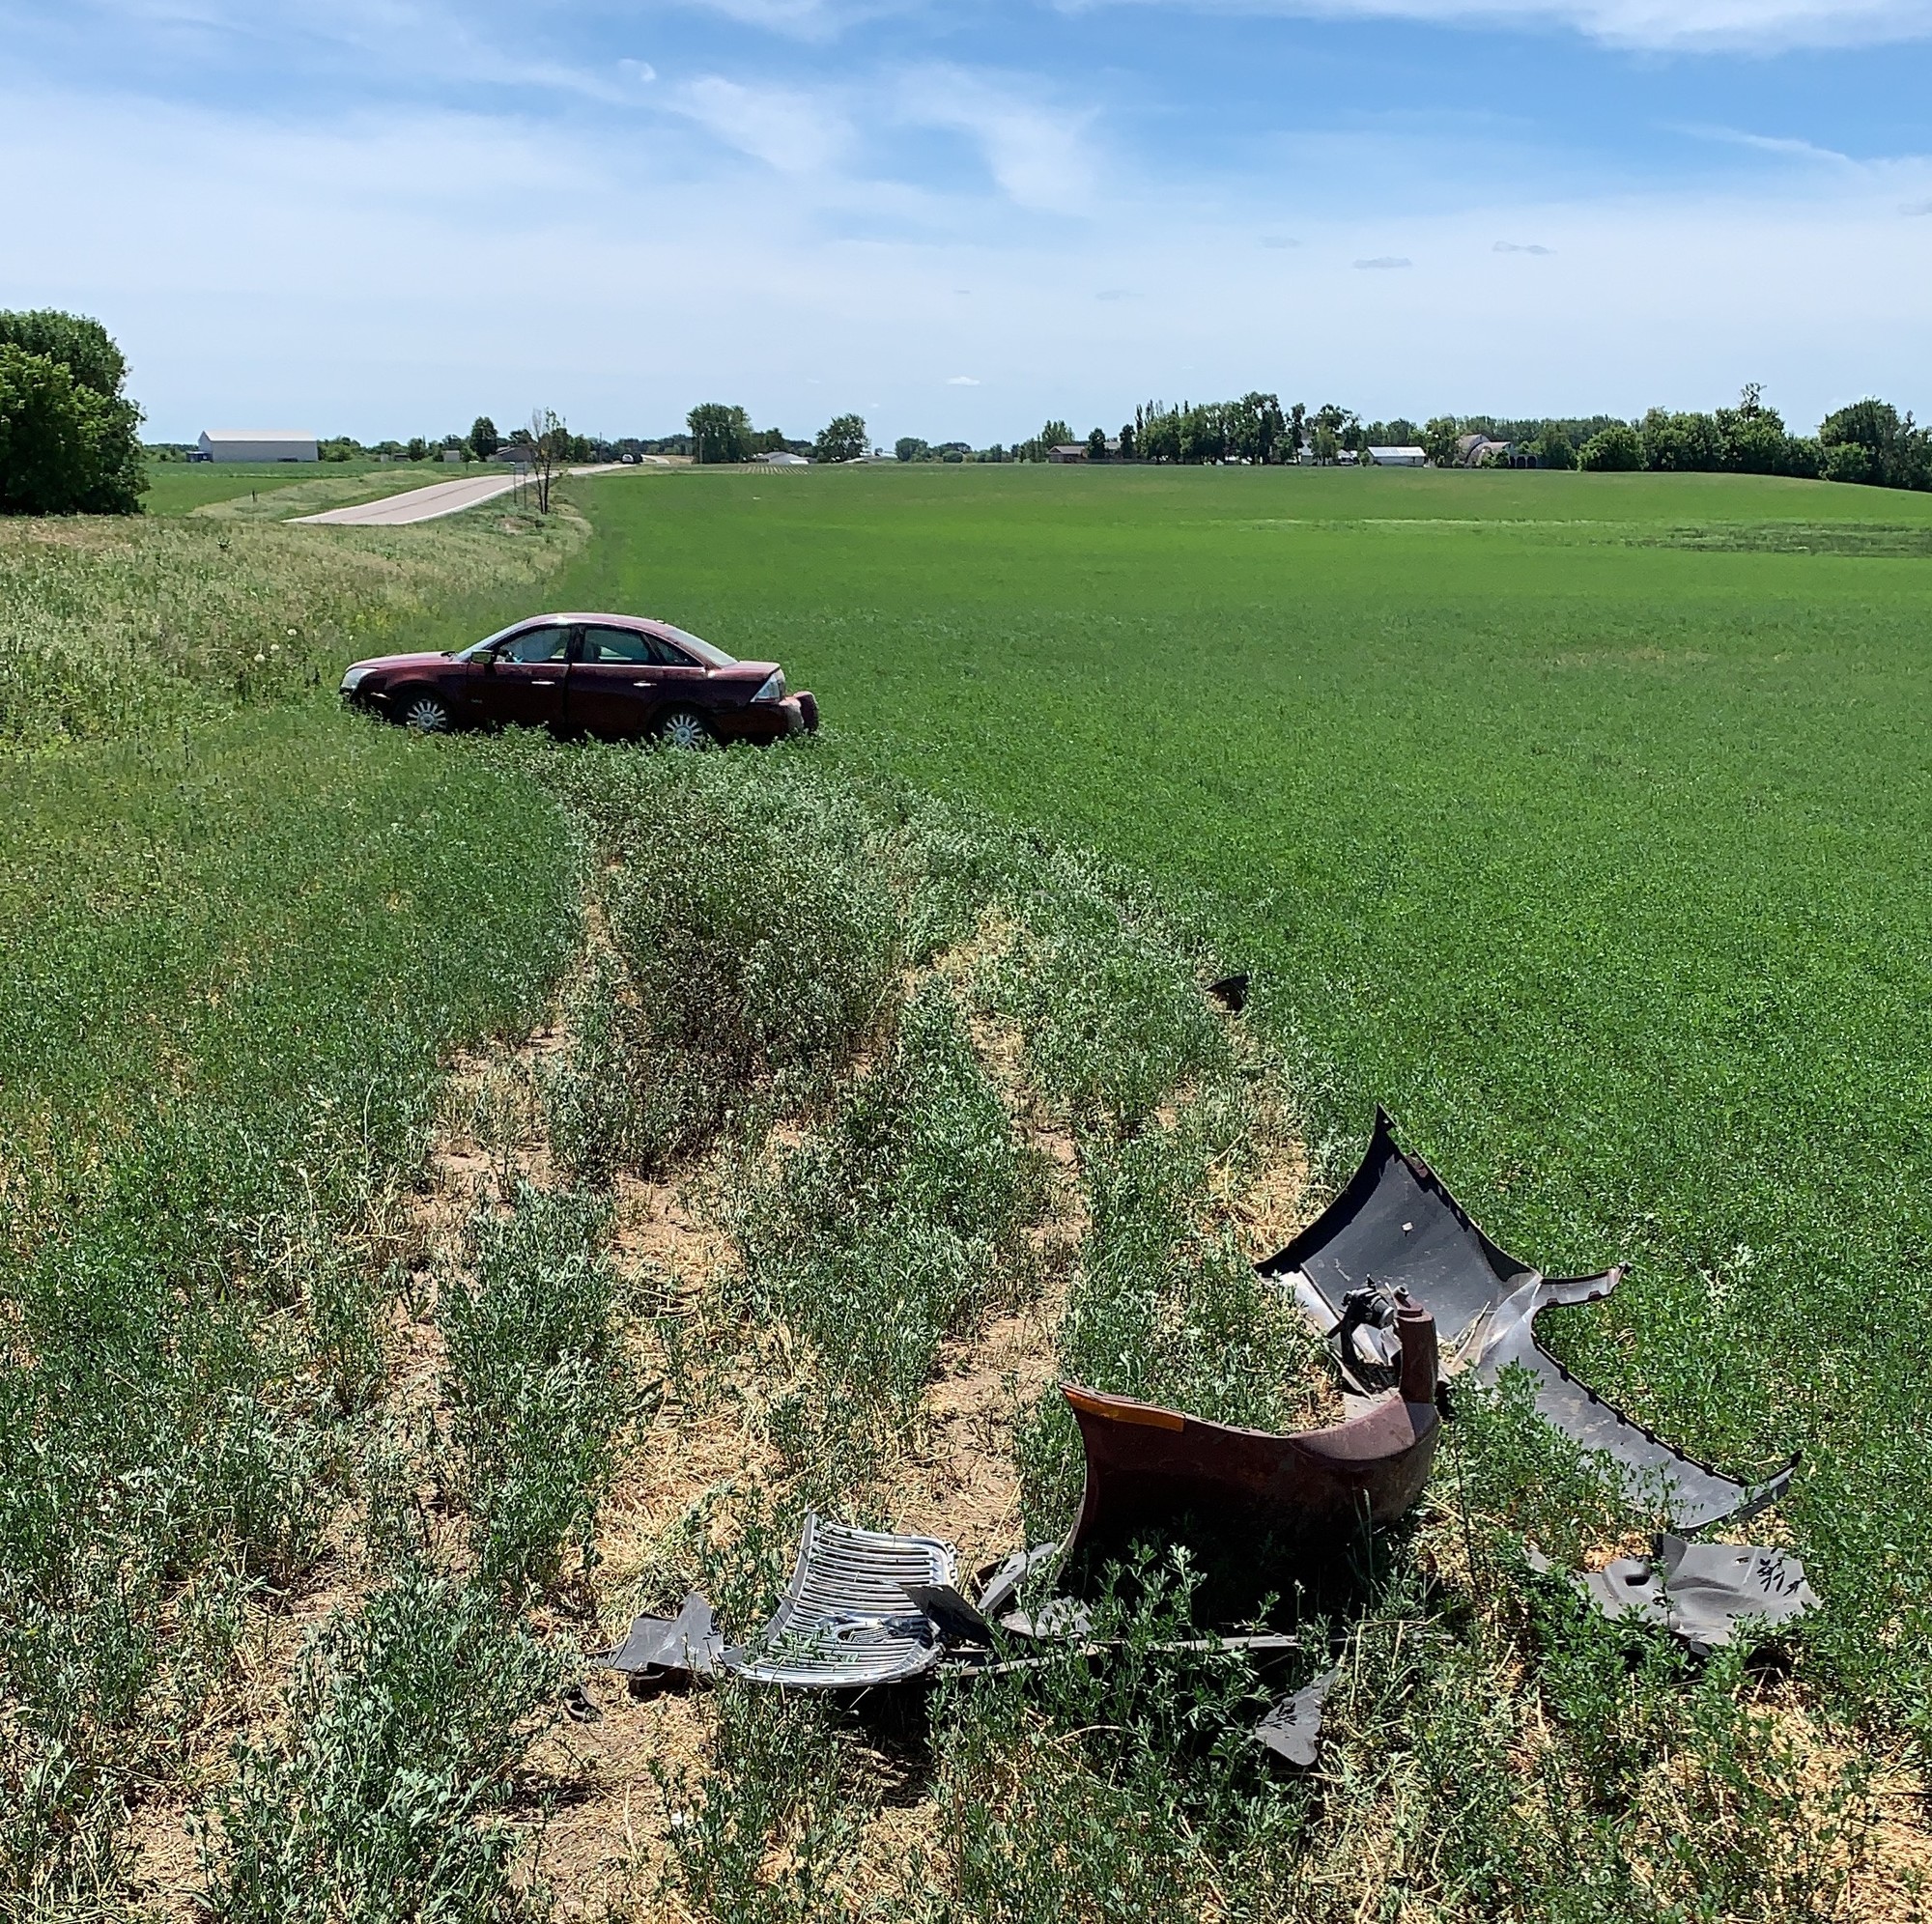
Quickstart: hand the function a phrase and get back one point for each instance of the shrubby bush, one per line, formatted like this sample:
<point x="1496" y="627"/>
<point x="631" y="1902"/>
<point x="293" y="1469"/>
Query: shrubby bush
<point x="537" y="1383"/>
<point x="384" y="1799"/>
<point x="68" y="437"/>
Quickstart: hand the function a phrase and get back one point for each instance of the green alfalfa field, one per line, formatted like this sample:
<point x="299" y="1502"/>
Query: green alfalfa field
<point x="1576" y="818"/>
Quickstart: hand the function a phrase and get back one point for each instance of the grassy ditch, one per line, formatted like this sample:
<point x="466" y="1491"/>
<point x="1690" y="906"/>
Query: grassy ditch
<point x="352" y="1409"/>
<point x="109" y="628"/>
<point x="884" y="1177"/>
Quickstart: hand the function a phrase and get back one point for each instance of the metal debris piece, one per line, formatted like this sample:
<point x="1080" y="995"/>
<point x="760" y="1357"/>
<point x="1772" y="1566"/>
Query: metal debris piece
<point x="1394" y="1226"/>
<point x="689" y="1642"/>
<point x="1149" y="1467"/>
<point x="1232" y="992"/>
<point x="1292" y="1729"/>
<point x="846" y="1618"/>
<point x="1701" y="1593"/>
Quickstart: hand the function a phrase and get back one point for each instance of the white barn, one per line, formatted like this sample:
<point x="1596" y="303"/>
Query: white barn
<point x="255" y="444"/>
<point x="1398" y="457"/>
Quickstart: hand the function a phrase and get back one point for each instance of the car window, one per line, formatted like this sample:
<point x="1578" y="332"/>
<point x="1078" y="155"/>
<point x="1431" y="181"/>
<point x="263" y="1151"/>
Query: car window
<point x="537" y="644"/>
<point x="620" y="644"/>
<point x="711" y="657"/>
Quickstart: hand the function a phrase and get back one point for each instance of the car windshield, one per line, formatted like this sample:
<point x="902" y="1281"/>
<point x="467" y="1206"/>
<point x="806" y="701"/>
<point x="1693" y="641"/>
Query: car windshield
<point x="712" y="658"/>
<point x="478" y="649"/>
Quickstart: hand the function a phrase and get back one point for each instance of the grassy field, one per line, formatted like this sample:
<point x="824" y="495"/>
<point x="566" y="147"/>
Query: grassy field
<point x="183" y="487"/>
<point x="1581" y="819"/>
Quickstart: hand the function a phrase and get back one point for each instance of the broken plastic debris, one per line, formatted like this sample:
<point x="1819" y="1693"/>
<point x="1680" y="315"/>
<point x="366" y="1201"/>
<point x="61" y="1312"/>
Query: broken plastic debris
<point x="1703" y="1594"/>
<point x="1232" y="992"/>
<point x="1152" y="1467"/>
<point x="1395" y="1226"/>
<point x="1292" y="1729"/>
<point x="847" y="1617"/>
<point x="687" y="1642"/>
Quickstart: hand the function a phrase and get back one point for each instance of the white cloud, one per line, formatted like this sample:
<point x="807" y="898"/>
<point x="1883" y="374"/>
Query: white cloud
<point x="1520" y="247"/>
<point x="1689" y="25"/>
<point x="1387" y="261"/>
<point x="1035" y="150"/>
<point x="960" y="380"/>
<point x="802" y="20"/>
<point x="794" y="132"/>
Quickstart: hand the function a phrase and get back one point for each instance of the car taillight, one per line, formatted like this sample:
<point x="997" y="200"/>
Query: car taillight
<point x="772" y="688"/>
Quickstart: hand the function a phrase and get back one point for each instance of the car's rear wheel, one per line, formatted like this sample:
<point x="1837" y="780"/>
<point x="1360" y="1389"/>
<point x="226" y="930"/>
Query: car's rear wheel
<point x="426" y="714"/>
<point x="684" y="728"/>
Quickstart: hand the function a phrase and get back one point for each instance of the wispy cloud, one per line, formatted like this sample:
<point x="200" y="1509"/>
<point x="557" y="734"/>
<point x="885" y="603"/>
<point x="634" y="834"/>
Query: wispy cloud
<point x="802" y="20"/>
<point x="1520" y="247"/>
<point x="1689" y="25"/>
<point x="1033" y="148"/>
<point x="795" y="131"/>
<point x="960" y="380"/>
<point x="1386" y="261"/>
<point x="1770" y="143"/>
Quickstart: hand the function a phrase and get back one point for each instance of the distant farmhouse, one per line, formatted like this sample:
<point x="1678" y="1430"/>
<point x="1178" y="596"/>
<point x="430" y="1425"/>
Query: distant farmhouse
<point x="1479" y="451"/>
<point x="1398" y="457"/>
<point x="254" y="445"/>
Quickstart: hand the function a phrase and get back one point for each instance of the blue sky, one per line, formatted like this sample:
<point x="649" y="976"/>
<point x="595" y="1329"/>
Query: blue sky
<point x="384" y="217"/>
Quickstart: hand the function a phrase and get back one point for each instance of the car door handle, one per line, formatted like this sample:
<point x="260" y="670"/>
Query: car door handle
<point x="643" y="684"/>
<point x="537" y="682"/>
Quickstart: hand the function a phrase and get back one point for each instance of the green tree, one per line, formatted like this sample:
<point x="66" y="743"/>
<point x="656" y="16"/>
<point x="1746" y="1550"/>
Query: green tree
<point x="843" y="439"/>
<point x="1127" y="441"/>
<point x="1553" y="448"/>
<point x="484" y="440"/>
<point x="1616" y="449"/>
<point x="70" y="440"/>
<point x="1873" y="442"/>
<point x="1260" y="429"/>
<point x="1097" y="444"/>
<point x="1439" y="442"/>
<point x="909" y="447"/>
<point x="718" y="433"/>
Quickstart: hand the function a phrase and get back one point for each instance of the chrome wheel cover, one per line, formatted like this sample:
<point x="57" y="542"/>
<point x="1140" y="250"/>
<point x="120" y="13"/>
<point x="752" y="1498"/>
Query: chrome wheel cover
<point x="426" y="716"/>
<point x="683" y="731"/>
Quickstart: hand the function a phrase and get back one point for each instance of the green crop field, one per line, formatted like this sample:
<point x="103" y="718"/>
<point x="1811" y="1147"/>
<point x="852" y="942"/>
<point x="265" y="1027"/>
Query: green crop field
<point x="1581" y="819"/>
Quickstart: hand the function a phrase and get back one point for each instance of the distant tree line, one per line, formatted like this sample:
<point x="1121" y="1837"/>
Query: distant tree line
<point x="69" y="438"/>
<point x="720" y="432"/>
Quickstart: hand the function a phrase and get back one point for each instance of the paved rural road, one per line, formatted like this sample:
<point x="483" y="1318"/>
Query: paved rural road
<point x="421" y="504"/>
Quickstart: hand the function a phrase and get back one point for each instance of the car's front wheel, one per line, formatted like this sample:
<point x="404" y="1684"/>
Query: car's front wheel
<point x="427" y="715"/>
<point x="684" y="728"/>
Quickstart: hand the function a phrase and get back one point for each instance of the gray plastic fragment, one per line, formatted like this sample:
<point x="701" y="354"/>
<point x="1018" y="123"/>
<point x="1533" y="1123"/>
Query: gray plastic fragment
<point x="1292" y="1729"/>
<point x="958" y="1621"/>
<point x="1002" y="1584"/>
<point x="1702" y="1594"/>
<point x="689" y="1642"/>
<point x="1395" y="1226"/>
<point x="1057" y="1617"/>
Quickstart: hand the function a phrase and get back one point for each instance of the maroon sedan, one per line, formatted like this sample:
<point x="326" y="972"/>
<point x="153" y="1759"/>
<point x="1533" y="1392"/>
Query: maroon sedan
<point x="610" y="675"/>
